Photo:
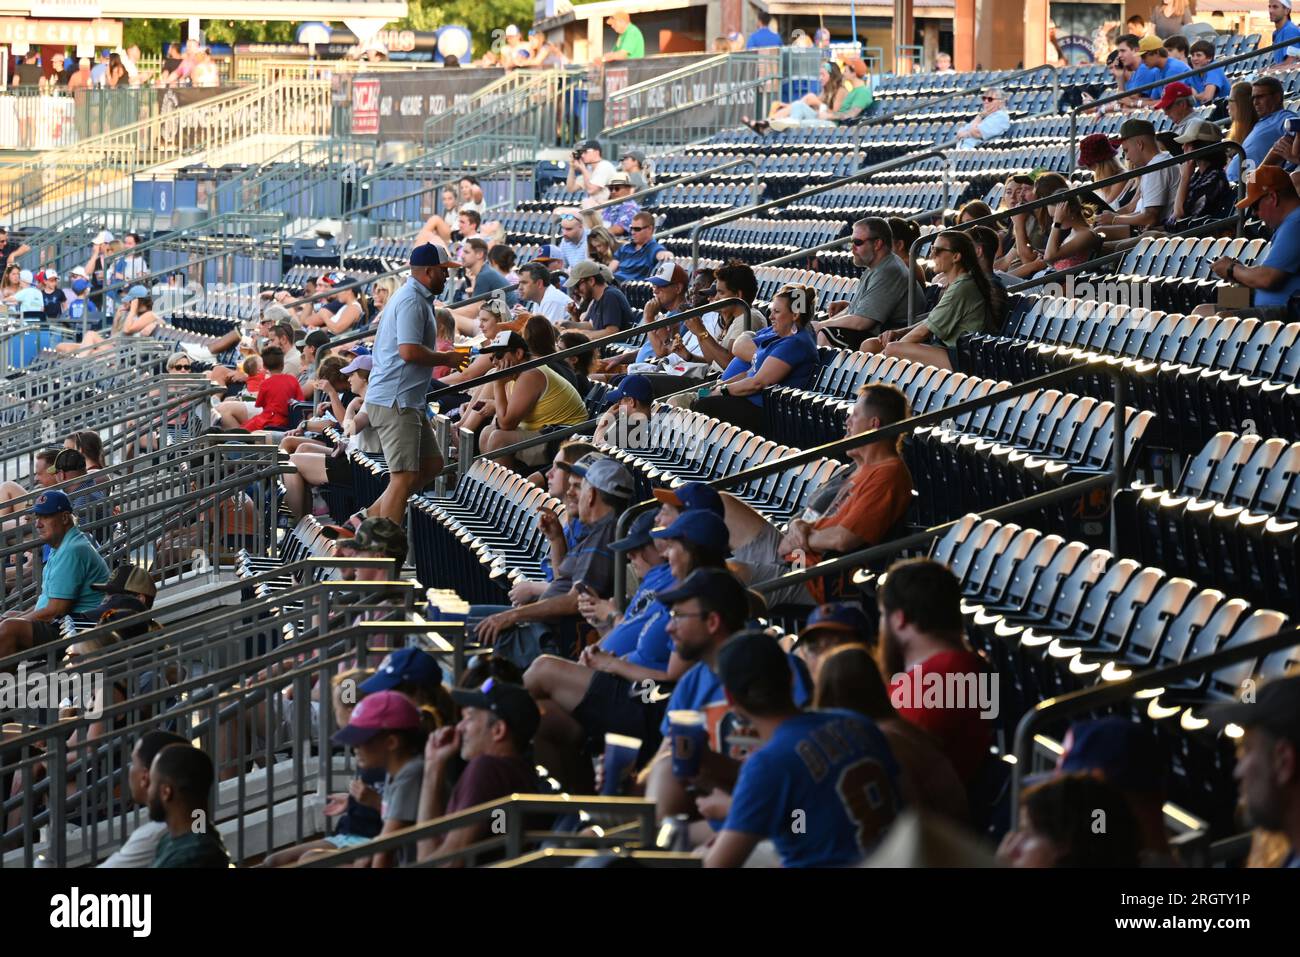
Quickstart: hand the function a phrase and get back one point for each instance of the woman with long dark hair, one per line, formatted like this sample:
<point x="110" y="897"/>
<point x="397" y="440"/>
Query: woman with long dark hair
<point x="967" y="305"/>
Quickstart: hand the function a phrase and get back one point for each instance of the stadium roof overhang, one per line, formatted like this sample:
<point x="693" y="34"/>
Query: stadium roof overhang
<point x="931" y="9"/>
<point x="291" y="10"/>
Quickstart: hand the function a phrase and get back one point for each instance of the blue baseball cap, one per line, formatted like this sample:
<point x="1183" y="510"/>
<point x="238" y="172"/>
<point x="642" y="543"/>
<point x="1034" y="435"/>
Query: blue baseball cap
<point x="356" y="350"/>
<point x="80" y="285"/>
<point x="845" y="617"/>
<point x="692" y="495"/>
<point x="431" y="254"/>
<point x="548" y="253"/>
<point x="1120" y="751"/>
<point x="405" y="665"/>
<point x="638" y="535"/>
<point x="719" y="583"/>
<point x="635" y="387"/>
<point x="699" y="527"/>
<point x="52" y="503"/>
<point x="137" y="292"/>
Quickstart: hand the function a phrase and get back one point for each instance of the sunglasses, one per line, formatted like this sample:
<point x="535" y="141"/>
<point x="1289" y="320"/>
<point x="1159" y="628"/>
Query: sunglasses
<point x="184" y="368"/>
<point x="639" y="229"/>
<point x="863" y="242"/>
<point x="940" y="249"/>
<point x="989" y="99"/>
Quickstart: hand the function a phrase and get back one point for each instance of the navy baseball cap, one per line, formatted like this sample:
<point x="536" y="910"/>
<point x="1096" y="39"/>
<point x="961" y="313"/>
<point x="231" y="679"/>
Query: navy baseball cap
<point x="431" y="254"/>
<point x="1120" y="751"/>
<point x="839" y="616"/>
<point x="403" y="666"/>
<point x="638" y="535"/>
<point x="548" y="254"/>
<point x="751" y="656"/>
<point x="509" y="702"/>
<point x="635" y="387"/>
<point x="719" y="583"/>
<point x="699" y="527"/>
<point x="692" y="495"/>
<point x="52" y="503"/>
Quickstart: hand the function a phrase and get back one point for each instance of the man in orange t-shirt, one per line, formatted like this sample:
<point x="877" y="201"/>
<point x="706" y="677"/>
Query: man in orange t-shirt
<point x="871" y="502"/>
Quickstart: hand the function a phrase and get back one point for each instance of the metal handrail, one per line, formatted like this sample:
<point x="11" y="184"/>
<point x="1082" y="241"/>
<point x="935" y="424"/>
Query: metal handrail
<point x="1117" y="476"/>
<point x="1091" y="265"/>
<point x="1125" y="94"/>
<point x="1099" y="696"/>
<point x="515" y="808"/>
<point x="836" y="243"/>
<point x="434" y="187"/>
<point x="1055" y="198"/>
<point x="968" y="91"/>
<point x="731" y="215"/>
<point x="559" y="434"/>
<point x="614" y="132"/>
<point x="561" y="355"/>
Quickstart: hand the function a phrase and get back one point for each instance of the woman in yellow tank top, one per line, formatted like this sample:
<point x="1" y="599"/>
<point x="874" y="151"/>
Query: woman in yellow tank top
<point x="528" y="402"/>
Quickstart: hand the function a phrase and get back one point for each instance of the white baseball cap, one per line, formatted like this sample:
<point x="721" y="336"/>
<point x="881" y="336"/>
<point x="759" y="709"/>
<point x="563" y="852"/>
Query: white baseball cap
<point x="103" y="236"/>
<point x="25" y="276"/>
<point x="80" y="271"/>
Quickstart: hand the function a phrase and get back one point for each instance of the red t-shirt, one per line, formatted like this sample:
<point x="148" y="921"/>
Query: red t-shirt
<point x="962" y="733"/>
<point x="273" y="399"/>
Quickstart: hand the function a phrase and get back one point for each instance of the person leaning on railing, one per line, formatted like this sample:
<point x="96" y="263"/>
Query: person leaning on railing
<point x="74" y="565"/>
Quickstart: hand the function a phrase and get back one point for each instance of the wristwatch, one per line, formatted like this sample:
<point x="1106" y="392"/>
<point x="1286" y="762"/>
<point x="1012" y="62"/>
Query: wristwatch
<point x="722" y="389"/>
<point x="1232" y="268"/>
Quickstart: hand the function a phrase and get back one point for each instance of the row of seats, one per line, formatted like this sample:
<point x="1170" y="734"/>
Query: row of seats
<point x="911" y="84"/>
<point x="757" y="240"/>
<point x="848" y="203"/>
<point x="1054" y="616"/>
<point x="1231" y="519"/>
<point x="1201" y="374"/>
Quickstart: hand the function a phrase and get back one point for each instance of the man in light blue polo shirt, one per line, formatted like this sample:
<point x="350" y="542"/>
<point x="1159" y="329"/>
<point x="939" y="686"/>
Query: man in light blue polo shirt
<point x="67" y="581"/>
<point x="1266" y="95"/>
<point x="403" y="356"/>
<point x="993" y="121"/>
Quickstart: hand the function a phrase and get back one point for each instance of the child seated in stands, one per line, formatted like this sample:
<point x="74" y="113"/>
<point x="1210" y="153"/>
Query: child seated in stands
<point x="273" y="397"/>
<point x="252" y="367"/>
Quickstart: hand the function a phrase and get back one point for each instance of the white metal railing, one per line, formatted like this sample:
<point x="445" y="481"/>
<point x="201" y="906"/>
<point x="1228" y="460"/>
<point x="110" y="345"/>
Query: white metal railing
<point x="71" y="174"/>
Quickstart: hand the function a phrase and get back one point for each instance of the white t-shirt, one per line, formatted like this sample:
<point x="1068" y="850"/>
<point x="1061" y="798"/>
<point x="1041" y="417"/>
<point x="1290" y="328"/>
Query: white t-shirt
<point x="140" y="847"/>
<point x="1158" y="188"/>
<point x="554" y="306"/>
<point x="601" y="174"/>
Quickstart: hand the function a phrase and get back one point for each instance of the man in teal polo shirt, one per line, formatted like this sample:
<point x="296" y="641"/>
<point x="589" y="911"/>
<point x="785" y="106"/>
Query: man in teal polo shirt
<point x="630" y="45"/>
<point x="67" y="582"/>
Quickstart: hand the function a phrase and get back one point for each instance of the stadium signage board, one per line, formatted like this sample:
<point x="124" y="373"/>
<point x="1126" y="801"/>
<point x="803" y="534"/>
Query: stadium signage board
<point x="406" y="101"/>
<point x="97" y="33"/>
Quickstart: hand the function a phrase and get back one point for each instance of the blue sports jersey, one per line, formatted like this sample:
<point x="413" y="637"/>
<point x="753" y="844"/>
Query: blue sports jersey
<point x="823" y="789"/>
